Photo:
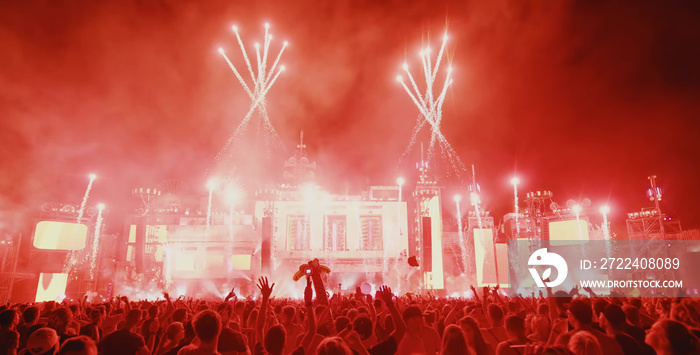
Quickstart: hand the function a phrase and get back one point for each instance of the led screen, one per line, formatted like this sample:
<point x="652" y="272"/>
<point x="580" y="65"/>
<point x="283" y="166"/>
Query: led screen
<point x="51" y="287"/>
<point x="54" y="235"/>
<point x="566" y="232"/>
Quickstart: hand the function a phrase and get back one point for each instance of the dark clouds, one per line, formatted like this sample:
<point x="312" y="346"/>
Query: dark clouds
<point x="585" y="98"/>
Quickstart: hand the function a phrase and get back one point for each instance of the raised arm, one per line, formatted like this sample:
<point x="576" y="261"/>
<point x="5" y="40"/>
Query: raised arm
<point x="372" y="311"/>
<point x="476" y="294"/>
<point x="170" y="308"/>
<point x="310" y="318"/>
<point x="399" y="325"/>
<point x="265" y="290"/>
<point x="590" y="291"/>
<point x="449" y="319"/>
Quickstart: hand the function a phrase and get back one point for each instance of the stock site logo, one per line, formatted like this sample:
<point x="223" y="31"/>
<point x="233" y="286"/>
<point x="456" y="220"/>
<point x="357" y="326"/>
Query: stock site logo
<point x="542" y="258"/>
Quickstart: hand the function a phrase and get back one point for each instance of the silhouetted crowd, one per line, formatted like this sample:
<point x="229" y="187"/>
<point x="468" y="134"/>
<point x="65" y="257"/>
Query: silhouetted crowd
<point x="490" y="323"/>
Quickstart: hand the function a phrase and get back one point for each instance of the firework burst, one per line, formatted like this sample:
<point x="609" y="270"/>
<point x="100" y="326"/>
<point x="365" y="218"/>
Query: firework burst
<point x="429" y="104"/>
<point x="262" y="79"/>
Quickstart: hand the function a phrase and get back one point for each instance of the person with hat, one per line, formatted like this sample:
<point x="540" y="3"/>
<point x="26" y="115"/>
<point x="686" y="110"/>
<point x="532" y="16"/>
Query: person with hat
<point x="43" y="341"/>
<point x="80" y="345"/>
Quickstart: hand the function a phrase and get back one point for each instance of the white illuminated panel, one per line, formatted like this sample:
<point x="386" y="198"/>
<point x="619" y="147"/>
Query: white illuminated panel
<point x="53" y="235"/>
<point x="51" y="287"/>
<point x="436" y="276"/>
<point x="485" y="258"/>
<point x="566" y="232"/>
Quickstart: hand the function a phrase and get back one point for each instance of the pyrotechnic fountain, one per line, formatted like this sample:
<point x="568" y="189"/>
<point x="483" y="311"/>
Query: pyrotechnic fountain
<point x="430" y="106"/>
<point x="96" y="241"/>
<point x="72" y="257"/>
<point x="460" y="231"/>
<point x="263" y="78"/>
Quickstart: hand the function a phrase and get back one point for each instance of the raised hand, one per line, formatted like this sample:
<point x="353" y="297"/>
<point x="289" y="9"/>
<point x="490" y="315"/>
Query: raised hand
<point x="587" y="289"/>
<point x="231" y="294"/>
<point x="264" y="287"/>
<point x="308" y="292"/>
<point x="166" y="295"/>
<point x="386" y="295"/>
<point x="353" y="339"/>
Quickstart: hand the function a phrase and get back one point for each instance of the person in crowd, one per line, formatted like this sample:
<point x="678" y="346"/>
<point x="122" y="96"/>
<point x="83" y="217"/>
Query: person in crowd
<point x="473" y="336"/>
<point x="30" y="317"/>
<point x="150" y="326"/>
<point x="125" y="341"/>
<point x="580" y="316"/>
<point x="333" y="346"/>
<point x="612" y="320"/>
<point x="80" y="345"/>
<point x="496" y="332"/>
<point x="540" y="328"/>
<point x="9" y="337"/>
<point x="454" y="342"/>
<point x="61" y="320"/>
<point x="174" y="333"/>
<point x="189" y="337"/>
<point x="670" y="337"/>
<point x="207" y="326"/>
<point x="231" y="341"/>
<point x="274" y="338"/>
<point x="43" y="341"/>
<point x="516" y="340"/>
<point x="584" y="343"/>
<point x="94" y="330"/>
<point x="412" y="341"/>
<point x="292" y="329"/>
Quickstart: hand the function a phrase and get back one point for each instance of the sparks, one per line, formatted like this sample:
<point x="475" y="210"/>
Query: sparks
<point x="263" y="78"/>
<point x="430" y="106"/>
<point x="72" y="257"/>
<point x="96" y="241"/>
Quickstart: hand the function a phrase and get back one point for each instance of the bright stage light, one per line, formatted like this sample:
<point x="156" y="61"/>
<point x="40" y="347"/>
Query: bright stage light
<point x="282" y="68"/>
<point x="404" y="66"/>
<point x="235" y="29"/>
<point x="285" y="43"/>
<point x="445" y="37"/>
<point x="399" y="78"/>
<point x="605" y="209"/>
<point x="267" y="25"/>
<point x="400" y="181"/>
<point x="577" y="209"/>
<point x="101" y="206"/>
<point x="221" y="50"/>
<point x="92" y="176"/>
<point x="458" y="197"/>
<point x="515" y="180"/>
<point x="211" y="184"/>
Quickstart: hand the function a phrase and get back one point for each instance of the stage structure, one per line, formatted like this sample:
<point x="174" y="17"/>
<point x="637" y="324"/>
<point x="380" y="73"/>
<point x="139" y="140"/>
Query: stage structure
<point x="56" y="236"/>
<point x="654" y="227"/>
<point x="428" y="229"/>
<point x="360" y="237"/>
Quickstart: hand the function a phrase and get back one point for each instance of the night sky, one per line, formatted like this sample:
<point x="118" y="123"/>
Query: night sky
<point x="583" y="98"/>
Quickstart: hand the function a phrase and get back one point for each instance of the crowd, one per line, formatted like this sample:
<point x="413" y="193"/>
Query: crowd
<point x="559" y="323"/>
